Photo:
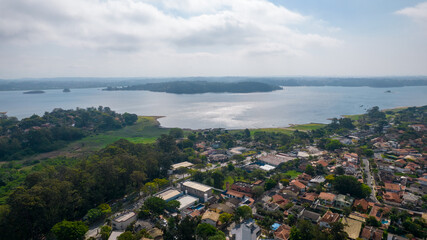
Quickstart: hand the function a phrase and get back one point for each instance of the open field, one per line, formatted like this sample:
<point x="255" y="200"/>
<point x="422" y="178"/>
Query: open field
<point x="307" y="127"/>
<point x="146" y="130"/>
<point x="293" y="173"/>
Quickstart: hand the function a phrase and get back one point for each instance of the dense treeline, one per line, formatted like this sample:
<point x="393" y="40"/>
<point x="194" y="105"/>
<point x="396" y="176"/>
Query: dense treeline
<point x="68" y="192"/>
<point x="193" y="87"/>
<point x="53" y="130"/>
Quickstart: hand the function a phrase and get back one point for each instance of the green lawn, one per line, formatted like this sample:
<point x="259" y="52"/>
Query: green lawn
<point x="293" y="173"/>
<point x="145" y="130"/>
<point x="353" y="117"/>
<point x="308" y="127"/>
<point x="278" y="130"/>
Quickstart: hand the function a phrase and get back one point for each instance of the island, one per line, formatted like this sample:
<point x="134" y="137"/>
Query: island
<point x="34" y="92"/>
<point x="196" y="87"/>
<point x="66" y="90"/>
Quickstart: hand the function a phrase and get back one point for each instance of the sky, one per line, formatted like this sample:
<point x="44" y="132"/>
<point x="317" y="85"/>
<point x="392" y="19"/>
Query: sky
<point x="180" y="38"/>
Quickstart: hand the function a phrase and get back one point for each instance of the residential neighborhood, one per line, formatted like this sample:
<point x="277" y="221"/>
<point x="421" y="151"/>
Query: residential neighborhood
<point x="373" y="186"/>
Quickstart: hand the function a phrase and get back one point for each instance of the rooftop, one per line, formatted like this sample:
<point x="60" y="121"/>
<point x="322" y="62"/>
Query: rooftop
<point x="168" y="194"/>
<point x="211" y="215"/>
<point x="186" y="200"/>
<point x="125" y="217"/>
<point x="327" y="196"/>
<point x="330" y="217"/>
<point x="181" y="164"/>
<point x="197" y="186"/>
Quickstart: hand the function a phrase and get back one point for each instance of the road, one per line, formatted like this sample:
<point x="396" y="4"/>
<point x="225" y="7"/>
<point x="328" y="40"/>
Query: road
<point x="370" y="181"/>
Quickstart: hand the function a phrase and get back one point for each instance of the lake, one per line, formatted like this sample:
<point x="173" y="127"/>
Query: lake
<point x="292" y="105"/>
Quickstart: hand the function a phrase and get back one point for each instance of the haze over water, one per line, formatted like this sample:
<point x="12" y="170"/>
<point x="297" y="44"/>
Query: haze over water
<point x="292" y="105"/>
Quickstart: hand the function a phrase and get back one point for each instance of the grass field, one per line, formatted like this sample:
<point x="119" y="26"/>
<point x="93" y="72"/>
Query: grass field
<point x="293" y="173"/>
<point x="353" y="117"/>
<point x="279" y="130"/>
<point x="308" y="127"/>
<point x="146" y="130"/>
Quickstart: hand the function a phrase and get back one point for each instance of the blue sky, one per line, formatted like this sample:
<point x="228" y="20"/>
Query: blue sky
<point x="165" y="38"/>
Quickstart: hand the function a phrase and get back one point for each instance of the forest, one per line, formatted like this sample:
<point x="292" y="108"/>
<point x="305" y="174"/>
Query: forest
<point x="53" y="130"/>
<point x="195" y="87"/>
<point x="64" y="192"/>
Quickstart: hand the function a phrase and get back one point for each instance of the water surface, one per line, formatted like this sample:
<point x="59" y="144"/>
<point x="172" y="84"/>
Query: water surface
<point x="292" y="105"/>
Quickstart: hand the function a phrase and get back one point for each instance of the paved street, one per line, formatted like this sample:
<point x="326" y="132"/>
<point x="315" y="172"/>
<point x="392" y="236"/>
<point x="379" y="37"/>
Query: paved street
<point x="370" y="181"/>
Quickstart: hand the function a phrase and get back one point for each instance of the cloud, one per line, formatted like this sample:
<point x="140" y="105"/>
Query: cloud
<point x="417" y="13"/>
<point x="160" y="26"/>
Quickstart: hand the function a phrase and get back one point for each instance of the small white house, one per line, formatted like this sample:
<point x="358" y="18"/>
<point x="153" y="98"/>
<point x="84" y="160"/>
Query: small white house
<point x="123" y="221"/>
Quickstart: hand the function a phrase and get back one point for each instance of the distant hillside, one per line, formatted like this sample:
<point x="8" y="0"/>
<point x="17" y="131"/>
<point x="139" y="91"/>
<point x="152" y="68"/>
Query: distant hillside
<point x="73" y="83"/>
<point x="194" y="87"/>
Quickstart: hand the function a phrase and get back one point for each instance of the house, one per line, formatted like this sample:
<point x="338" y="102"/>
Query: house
<point x="377" y="212"/>
<point x="242" y="187"/>
<point x="352" y="227"/>
<point x="298" y="185"/>
<point x="309" y="215"/>
<point x="304" y="177"/>
<point x="327" y="198"/>
<point x="218" y="158"/>
<point x="361" y="205"/>
<point x="210" y="217"/>
<point x="196" y="189"/>
<point x="411" y="199"/>
<point x="247" y="230"/>
<point x="282" y="233"/>
<point x="392" y="197"/>
<point x="369" y="233"/>
<point x="123" y="221"/>
<point x="328" y="218"/>
<point x="316" y="181"/>
<point x="392" y="187"/>
<point x="278" y="199"/>
<point x="221" y="208"/>
<point x="343" y="201"/>
<point x="309" y="197"/>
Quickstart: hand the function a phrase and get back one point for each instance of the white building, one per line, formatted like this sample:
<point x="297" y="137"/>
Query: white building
<point x="196" y="189"/>
<point x="123" y="221"/>
<point x="187" y="201"/>
<point x="248" y="230"/>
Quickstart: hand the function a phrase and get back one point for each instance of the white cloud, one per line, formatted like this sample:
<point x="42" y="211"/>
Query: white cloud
<point x="417" y="13"/>
<point x="160" y="26"/>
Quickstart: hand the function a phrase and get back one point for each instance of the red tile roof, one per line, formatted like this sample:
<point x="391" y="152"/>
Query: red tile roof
<point x="327" y="196"/>
<point x="283" y="232"/>
<point x="297" y="184"/>
<point x="330" y="217"/>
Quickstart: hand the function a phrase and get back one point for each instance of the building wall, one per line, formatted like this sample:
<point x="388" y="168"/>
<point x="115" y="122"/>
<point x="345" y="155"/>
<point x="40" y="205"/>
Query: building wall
<point x="123" y="225"/>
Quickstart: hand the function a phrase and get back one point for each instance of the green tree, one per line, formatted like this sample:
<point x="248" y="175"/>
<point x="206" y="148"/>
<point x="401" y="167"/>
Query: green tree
<point x="218" y="178"/>
<point x="243" y="212"/>
<point x="205" y="230"/>
<point x="126" y="236"/>
<point x="310" y="170"/>
<point x="225" y="218"/>
<point x="67" y="230"/>
<point x="155" y="205"/>
<point x="257" y="191"/>
<point x="105" y="232"/>
<point x="269" y="184"/>
<point x="337" y="231"/>
<point x="173" y="205"/>
<point x="176" y="133"/>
